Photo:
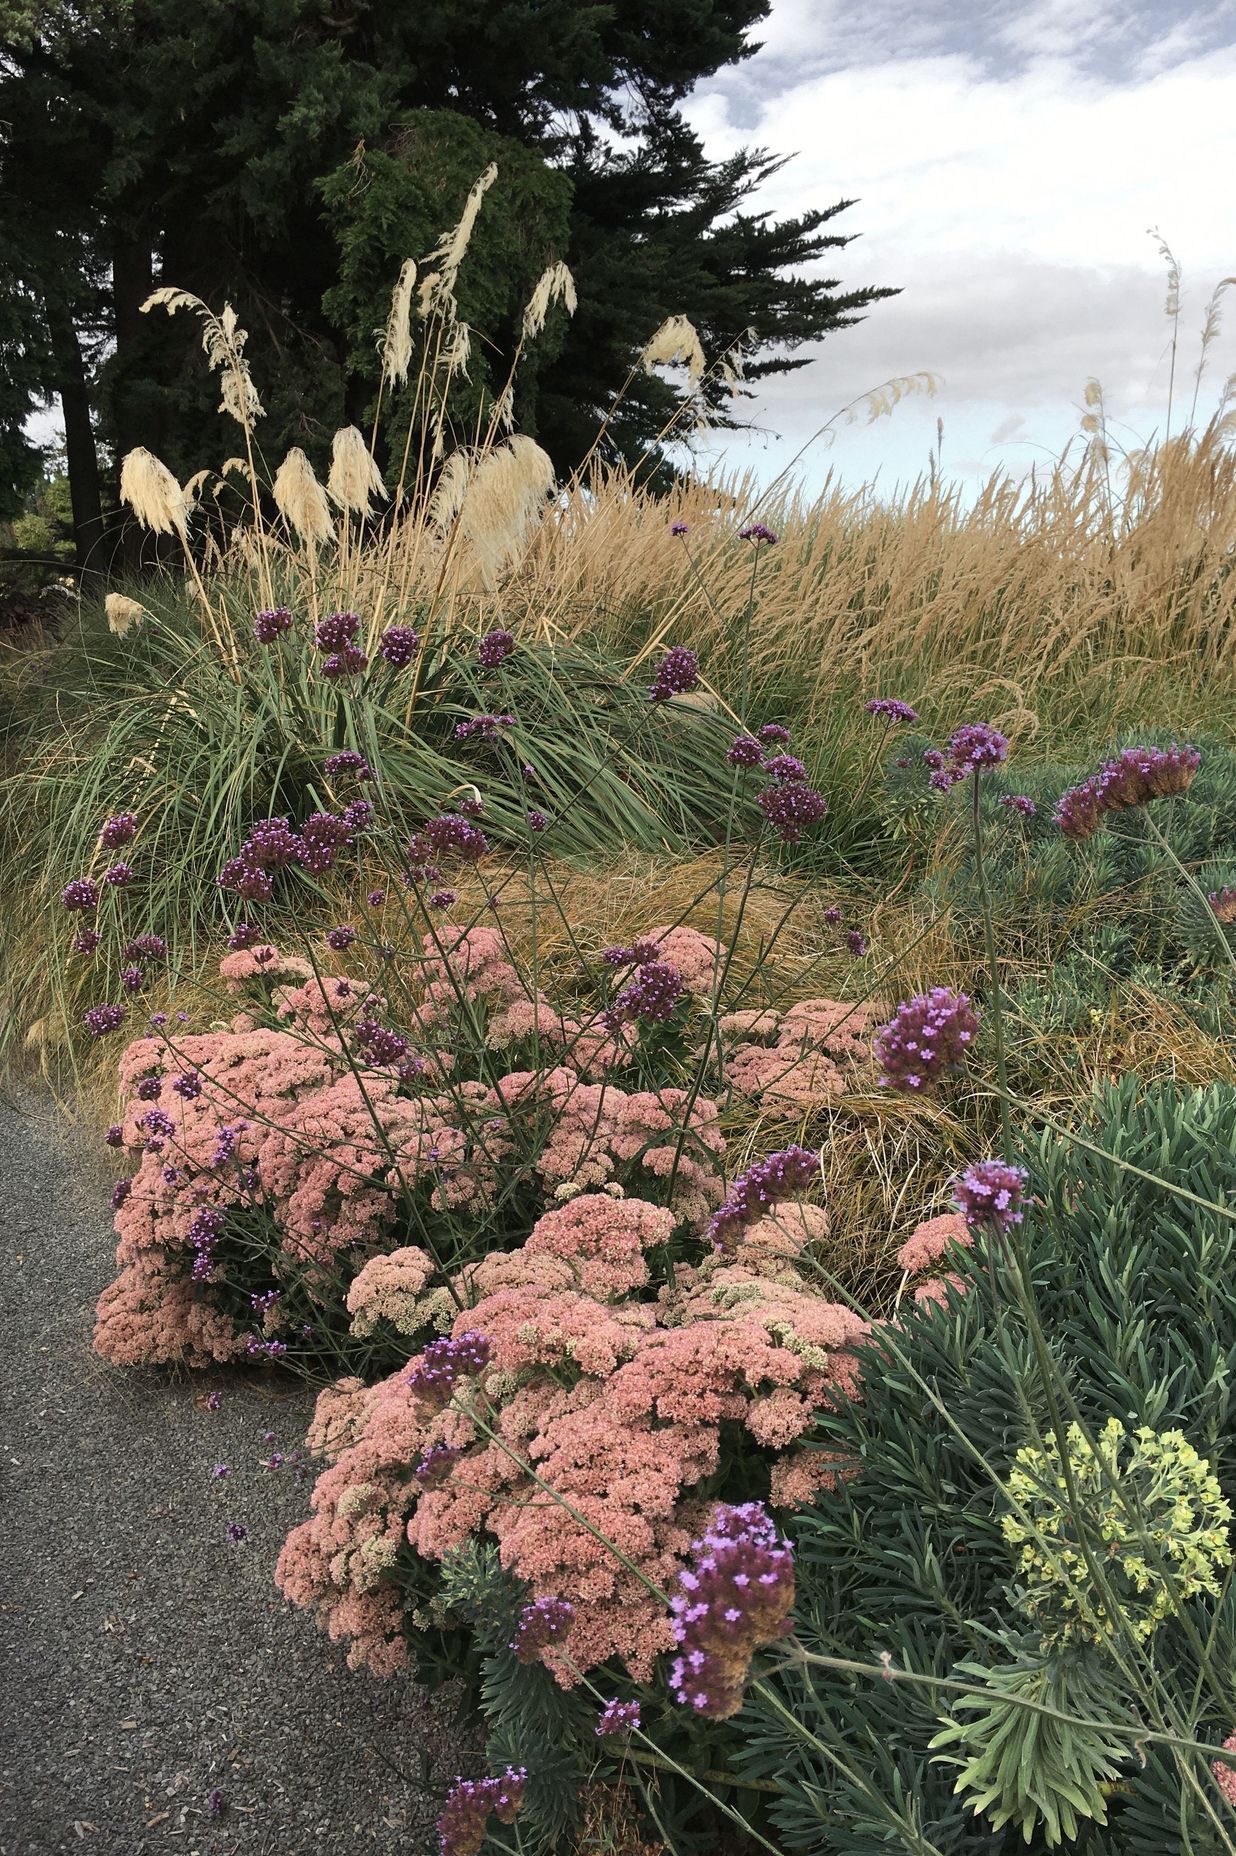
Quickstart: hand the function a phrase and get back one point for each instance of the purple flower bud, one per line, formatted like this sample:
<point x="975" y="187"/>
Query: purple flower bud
<point x="547" y="1621"/>
<point x="118" y="830"/>
<point x="744" y="751"/>
<point x="891" y="709"/>
<point x="443" y="1363"/>
<point x="119" y="875"/>
<point x="348" y="761"/>
<point x="268" y="625"/>
<point x="398" y="645"/>
<point x="81" y="894"/>
<point x="494" y="647"/>
<point x="991" y="1193"/>
<point x="618" y="1717"/>
<point x="677" y="674"/>
<point x="340" y="938"/>
<point x="100" y="1019"/>
<point x="779" y="1177"/>
<point x="755" y="531"/>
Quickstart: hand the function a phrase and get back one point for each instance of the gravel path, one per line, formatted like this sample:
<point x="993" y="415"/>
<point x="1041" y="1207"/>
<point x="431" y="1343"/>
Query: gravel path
<point x="148" y="1663"/>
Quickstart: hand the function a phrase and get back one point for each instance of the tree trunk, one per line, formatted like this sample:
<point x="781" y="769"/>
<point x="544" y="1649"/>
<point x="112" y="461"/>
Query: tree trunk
<point x="79" y="446"/>
<point x="132" y="282"/>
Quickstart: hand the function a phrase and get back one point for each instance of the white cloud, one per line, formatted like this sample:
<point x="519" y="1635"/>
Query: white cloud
<point x="1011" y="206"/>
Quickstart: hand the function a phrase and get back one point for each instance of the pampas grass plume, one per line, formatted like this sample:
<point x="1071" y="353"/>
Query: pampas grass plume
<point x="554" y="285"/>
<point x="354" y="477"/>
<point x="300" y="498"/>
<point x="503" y="499"/>
<point x="152" y="493"/>
<point x="450" y="253"/>
<point x="397" y="339"/>
<point x="675" y="341"/>
<point x="123" y="614"/>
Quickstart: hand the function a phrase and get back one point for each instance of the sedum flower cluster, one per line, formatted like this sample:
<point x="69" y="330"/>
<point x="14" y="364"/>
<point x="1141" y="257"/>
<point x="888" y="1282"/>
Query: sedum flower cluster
<point x="597" y="1389"/>
<point x="1151" y="1516"/>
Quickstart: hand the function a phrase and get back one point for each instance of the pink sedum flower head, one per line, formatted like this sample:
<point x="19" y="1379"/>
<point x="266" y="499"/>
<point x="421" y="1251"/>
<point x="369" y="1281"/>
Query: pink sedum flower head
<point x="1225" y="1775"/>
<point x="927" y="1035"/>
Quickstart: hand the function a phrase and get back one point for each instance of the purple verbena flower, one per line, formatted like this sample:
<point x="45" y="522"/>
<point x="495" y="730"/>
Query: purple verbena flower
<point x="443" y="1363"/>
<point x="676" y="675"/>
<point x="81" y="894"/>
<point x="376" y="898"/>
<point x="756" y="531"/>
<point x="1018" y="802"/>
<point x="437" y="1463"/>
<point x="377" y="1045"/>
<point x="398" y="645"/>
<point x="188" y="1087"/>
<point x="679" y="528"/>
<point x="791" y="809"/>
<point x="100" y="1019"/>
<point x="347" y="760"/>
<point x="891" y="709"/>
<point x="926" y="1036"/>
<point x="443" y="899"/>
<point x="736" y="1598"/>
<point x="119" y="875"/>
<point x="832" y="916"/>
<point x="451" y="835"/>
<point x="1134" y="778"/>
<point x="340" y="938"/>
<point x="346" y="663"/>
<point x="133" y="979"/>
<point x="536" y="821"/>
<point x="856" y="943"/>
<point x="494" y="647"/>
<point x="463" y="1824"/>
<point x="244" y="934"/>
<point x="652" y="996"/>
<point x="148" y="1089"/>
<point x="120" y="1192"/>
<point x="618" y="1717"/>
<point x="118" y="830"/>
<point x="268" y="625"/>
<point x="219" y="1471"/>
<point x="784" y="768"/>
<point x="744" y="751"/>
<point x="337" y="631"/>
<point x="544" y="1622"/>
<point x="482" y="727"/>
<point x="991" y="1193"/>
<point x="971" y="747"/>
<point x="236" y="1532"/>
<point x="775" y="732"/>
<point x="778" y="1177"/>
<point x="158" y="1121"/>
<point x="145" y="947"/>
<point x="86" y="940"/>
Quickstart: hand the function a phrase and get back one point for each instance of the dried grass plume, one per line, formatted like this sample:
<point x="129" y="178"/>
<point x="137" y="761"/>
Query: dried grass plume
<point x="300" y="498"/>
<point x="555" y="285"/>
<point x="152" y="493"/>
<point x="397" y="338"/>
<point x="502" y="501"/>
<point x="675" y="343"/>
<point x="354" y="477"/>
<point x="123" y="614"/>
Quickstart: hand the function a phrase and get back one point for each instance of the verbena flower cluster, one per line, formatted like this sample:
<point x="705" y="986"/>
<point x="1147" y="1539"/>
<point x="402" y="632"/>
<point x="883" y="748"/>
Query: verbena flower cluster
<point x="495" y="647"/>
<point x="470" y="1803"/>
<point x="1133" y="778"/>
<point x="677" y="674"/>
<point x="926" y="1036"/>
<point x="735" y="1598"/>
<point x="272" y="845"/>
<point x="973" y="747"/>
<point x="991" y="1193"/>
<point x="269" y="624"/>
<point x="891" y="709"/>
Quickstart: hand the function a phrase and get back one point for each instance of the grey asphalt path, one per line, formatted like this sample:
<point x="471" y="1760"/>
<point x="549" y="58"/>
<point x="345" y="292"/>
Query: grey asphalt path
<point x="156" y="1694"/>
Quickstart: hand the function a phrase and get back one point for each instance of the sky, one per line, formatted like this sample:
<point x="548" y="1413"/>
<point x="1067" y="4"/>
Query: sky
<point x="1006" y="162"/>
